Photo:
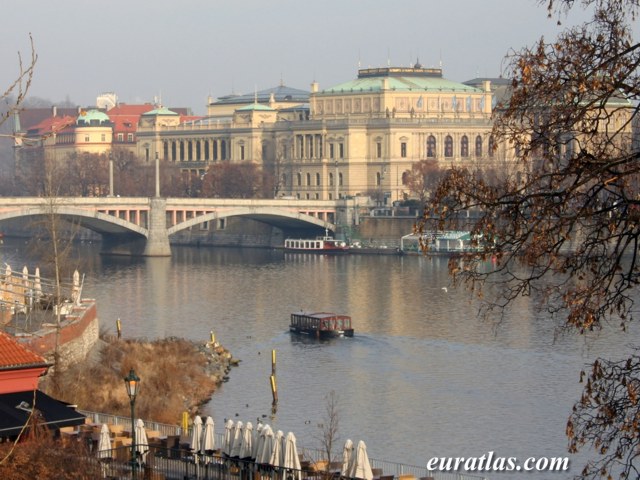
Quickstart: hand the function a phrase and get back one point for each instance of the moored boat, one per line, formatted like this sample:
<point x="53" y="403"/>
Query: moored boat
<point x="321" y="324"/>
<point x="324" y="244"/>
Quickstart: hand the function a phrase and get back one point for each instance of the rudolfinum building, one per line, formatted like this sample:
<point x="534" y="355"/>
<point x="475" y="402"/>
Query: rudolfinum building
<point x="355" y="138"/>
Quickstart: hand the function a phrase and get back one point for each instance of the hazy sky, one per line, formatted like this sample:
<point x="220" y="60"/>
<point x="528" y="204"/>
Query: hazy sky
<point x="186" y="50"/>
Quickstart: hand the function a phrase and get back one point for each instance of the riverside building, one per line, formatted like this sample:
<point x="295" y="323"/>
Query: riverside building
<point x="355" y="138"/>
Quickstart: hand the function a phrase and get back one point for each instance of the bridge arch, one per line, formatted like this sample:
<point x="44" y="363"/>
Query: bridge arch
<point x="274" y="216"/>
<point x="91" y="219"/>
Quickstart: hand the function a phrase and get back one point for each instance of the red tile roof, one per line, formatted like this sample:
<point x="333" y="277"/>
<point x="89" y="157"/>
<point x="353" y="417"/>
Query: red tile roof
<point x="52" y="124"/>
<point x="13" y="355"/>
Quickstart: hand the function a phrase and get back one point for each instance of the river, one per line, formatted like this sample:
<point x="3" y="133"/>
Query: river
<point x="423" y="377"/>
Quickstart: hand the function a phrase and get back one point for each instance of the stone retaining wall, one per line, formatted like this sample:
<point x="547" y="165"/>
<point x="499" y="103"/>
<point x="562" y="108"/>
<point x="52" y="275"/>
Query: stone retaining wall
<point x="79" y="332"/>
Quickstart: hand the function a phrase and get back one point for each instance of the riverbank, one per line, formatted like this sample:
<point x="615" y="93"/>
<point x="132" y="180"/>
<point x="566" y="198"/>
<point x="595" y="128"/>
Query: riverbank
<point x="176" y="376"/>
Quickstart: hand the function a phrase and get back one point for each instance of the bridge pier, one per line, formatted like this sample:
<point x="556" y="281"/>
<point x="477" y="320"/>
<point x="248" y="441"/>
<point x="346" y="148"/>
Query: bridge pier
<point x="158" y="239"/>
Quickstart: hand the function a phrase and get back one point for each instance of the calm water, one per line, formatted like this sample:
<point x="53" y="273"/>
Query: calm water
<point x="423" y="377"/>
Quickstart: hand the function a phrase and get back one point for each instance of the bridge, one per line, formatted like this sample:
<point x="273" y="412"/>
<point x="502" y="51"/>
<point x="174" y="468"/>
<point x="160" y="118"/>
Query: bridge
<point x="142" y="225"/>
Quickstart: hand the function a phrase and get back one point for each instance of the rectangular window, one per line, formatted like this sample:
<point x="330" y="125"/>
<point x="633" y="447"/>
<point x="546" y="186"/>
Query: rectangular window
<point x="341" y="150"/>
<point x="129" y="137"/>
<point x="403" y="149"/>
<point x="378" y="150"/>
<point x="241" y="152"/>
<point x="120" y="137"/>
<point x="103" y="137"/>
<point x="331" y="151"/>
<point x="86" y="138"/>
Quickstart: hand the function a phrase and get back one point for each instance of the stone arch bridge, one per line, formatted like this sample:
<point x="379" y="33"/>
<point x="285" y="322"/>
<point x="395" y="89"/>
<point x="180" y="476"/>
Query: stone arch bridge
<point x="142" y="226"/>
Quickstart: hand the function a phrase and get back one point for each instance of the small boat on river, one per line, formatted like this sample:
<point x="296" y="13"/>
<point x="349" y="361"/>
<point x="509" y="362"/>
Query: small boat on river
<point x="324" y="244"/>
<point x="321" y="324"/>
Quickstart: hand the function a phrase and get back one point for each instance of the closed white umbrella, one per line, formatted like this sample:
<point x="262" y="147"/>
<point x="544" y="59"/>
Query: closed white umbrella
<point x="75" y="290"/>
<point x="142" y="443"/>
<point x="208" y="440"/>
<point x="104" y="443"/>
<point x="228" y="437"/>
<point x="237" y="440"/>
<point x="208" y="437"/>
<point x="196" y="435"/>
<point x="347" y="458"/>
<point x="256" y="440"/>
<point x="25" y="285"/>
<point x="37" y="285"/>
<point x="246" y="447"/>
<point x="277" y="453"/>
<point x="291" y="459"/>
<point x="361" y="467"/>
<point x="266" y="446"/>
<point x="8" y="284"/>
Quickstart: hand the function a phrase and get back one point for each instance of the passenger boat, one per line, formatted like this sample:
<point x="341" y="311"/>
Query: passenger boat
<point x="324" y="244"/>
<point x="321" y="324"/>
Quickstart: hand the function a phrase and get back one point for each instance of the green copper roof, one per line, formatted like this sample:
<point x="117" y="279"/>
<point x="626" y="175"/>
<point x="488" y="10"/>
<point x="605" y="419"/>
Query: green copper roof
<point x="92" y="117"/>
<point x="402" y="84"/>
<point x="255" y="106"/>
<point x="160" y="111"/>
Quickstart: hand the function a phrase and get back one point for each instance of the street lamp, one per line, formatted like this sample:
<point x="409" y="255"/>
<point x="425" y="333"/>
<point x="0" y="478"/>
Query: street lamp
<point x="132" y="384"/>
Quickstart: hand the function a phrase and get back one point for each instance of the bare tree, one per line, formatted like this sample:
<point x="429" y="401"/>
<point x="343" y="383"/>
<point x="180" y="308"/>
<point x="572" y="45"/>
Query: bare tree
<point x="423" y="178"/>
<point x="329" y="427"/>
<point x="565" y="225"/>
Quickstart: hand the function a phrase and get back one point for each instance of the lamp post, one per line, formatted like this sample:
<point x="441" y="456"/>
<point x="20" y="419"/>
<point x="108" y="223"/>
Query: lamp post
<point x="132" y="384"/>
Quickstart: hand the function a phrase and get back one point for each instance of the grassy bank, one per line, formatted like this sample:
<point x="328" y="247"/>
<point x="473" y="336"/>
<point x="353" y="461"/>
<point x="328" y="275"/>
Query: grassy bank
<point x="176" y="375"/>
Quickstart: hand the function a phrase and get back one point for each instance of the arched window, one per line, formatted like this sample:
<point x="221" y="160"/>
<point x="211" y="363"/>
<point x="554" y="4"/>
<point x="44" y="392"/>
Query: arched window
<point x="331" y="179"/>
<point x="378" y="178"/>
<point x="308" y="179"/>
<point x="318" y="179"/>
<point x="299" y="179"/>
<point x="464" y="146"/>
<point x="340" y="179"/>
<point x="215" y="150"/>
<point x="478" y="146"/>
<point x="223" y="150"/>
<point x="182" y="151"/>
<point x="189" y="150"/>
<point x="448" y="146"/>
<point x="173" y="151"/>
<point x="491" y="146"/>
<point x="431" y="146"/>
<point x="165" y="150"/>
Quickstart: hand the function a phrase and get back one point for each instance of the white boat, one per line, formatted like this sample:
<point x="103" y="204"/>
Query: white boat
<point x="324" y="244"/>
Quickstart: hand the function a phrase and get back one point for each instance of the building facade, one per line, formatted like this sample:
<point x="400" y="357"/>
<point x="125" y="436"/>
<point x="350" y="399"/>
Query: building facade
<point x="356" y="138"/>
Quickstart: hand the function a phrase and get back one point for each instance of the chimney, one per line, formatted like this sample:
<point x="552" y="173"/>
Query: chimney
<point x="54" y="111"/>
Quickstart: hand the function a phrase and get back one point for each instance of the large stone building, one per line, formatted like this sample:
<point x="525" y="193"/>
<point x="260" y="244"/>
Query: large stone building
<point x="356" y="138"/>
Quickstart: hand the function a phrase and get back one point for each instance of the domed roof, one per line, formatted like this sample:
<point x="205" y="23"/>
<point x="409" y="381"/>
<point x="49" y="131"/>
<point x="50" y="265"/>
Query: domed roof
<point x="92" y="118"/>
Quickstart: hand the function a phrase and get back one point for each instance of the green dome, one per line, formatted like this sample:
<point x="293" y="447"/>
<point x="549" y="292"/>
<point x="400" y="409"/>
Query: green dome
<point x="93" y="118"/>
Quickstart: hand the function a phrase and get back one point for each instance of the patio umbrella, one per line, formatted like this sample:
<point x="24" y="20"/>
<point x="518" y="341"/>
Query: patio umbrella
<point x="228" y="437"/>
<point x="196" y="435"/>
<point x="25" y="285"/>
<point x="256" y="440"/>
<point x="361" y="467"/>
<point x="266" y="446"/>
<point x="208" y="438"/>
<point x="277" y="454"/>
<point x="75" y="290"/>
<point x="104" y="443"/>
<point x="246" y="447"/>
<point x="37" y="286"/>
<point x="237" y="440"/>
<point x="347" y="458"/>
<point x="142" y="443"/>
<point x="8" y="284"/>
<point x="291" y="459"/>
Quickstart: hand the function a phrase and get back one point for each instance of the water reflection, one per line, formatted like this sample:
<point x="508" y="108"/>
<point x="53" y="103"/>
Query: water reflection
<point x="424" y="376"/>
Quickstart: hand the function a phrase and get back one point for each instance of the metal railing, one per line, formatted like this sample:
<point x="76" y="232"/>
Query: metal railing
<point x="179" y="464"/>
<point x="179" y="460"/>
